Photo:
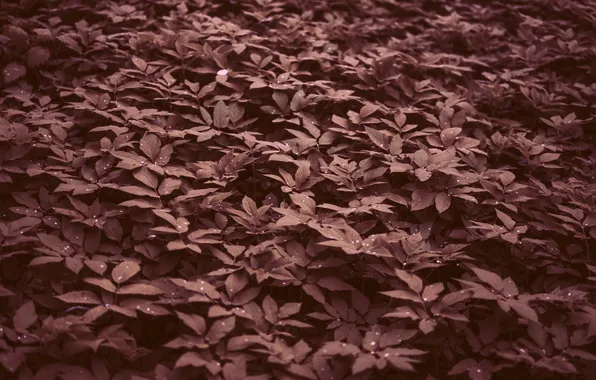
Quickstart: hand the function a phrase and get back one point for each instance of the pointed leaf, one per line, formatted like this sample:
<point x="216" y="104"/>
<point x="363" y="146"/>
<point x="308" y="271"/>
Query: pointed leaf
<point x="125" y="271"/>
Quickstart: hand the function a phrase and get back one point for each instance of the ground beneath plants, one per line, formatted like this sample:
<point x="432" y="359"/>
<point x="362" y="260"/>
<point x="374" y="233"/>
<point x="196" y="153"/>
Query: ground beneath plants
<point x="253" y="190"/>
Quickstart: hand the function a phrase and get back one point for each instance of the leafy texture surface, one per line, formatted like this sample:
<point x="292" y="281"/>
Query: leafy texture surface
<point x="257" y="189"/>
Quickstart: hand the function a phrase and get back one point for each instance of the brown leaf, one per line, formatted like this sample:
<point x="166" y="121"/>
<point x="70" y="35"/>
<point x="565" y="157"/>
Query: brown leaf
<point x="442" y="202"/>
<point x="82" y="297"/>
<point x="25" y="316"/>
<point x="13" y="72"/>
<point x="490" y="278"/>
<point x="168" y="185"/>
<point x="270" y="309"/>
<point x="190" y="359"/>
<point x="431" y="292"/>
<point x="421" y="158"/>
<point x="548" y="157"/>
<point x="523" y="309"/>
<point x="422" y="199"/>
<point x="221" y="116"/>
<point x="414" y="282"/>
<point x="235" y="283"/>
<point x="506" y="219"/>
<point x="140" y="63"/>
<point x="103" y="283"/>
<point x="146" y="176"/>
<point x="195" y="322"/>
<point x="113" y="229"/>
<point x="140" y="289"/>
<point x="37" y="56"/>
<point x="449" y="135"/>
<point x="12" y="360"/>
<point x="363" y="362"/>
<point x="281" y="99"/>
<point x="125" y="271"/>
<point x="427" y="325"/>
<point x="220" y="329"/>
<point x="403" y="294"/>
<point x="150" y="145"/>
<point x="334" y="284"/>
<point x="246" y="295"/>
<point x="249" y="206"/>
<point x="367" y="110"/>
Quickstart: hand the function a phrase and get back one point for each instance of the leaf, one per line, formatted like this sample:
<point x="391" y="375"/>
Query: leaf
<point x="442" y="202"/>
<point x="150" y="145"/>
<point x="249" y="206"/>
<point x="195" y="322"/>
<point x="548" y="157"/>
<point x="140" y="289"/>
<point x="13" y="72"/>
<point x="281" y="99"/>
<point x="103" y="283"/>
<point x="403" y="294"/>
<point x="455" y="297"/>
<point x="462" y="366"/>
<point x="168" y="186"/>
<point x="376" y="137"/>
<point x="12" y="360"/>
<point x="113" y="229"/>
<point x="363" y="362"/>
<point x="139" y="63"/>
<point x="422" y="199"/>
<point x="270" y="309"/>
<point x="221" y="116"/>
<point x="334" y="284"/>
<point x="55" y="244"/>
<point x="396" y="145"/>
<point x="449" y="135"/>
<point x="82" y="297"/>
<point x="246" y="295"/>
<point x="421" y="158"/>
<point x="289" y="309"/>
<point x="37" y="56"/>
<point x="490" y="278"/>
<point x="523" y="309"/>
<point x="235" y="283"/>
<point x="241" y="342"/>
<point x="190" y="359"/>
<point x="298" y="101"/>
<point x="125" y="271"/>
<point x="506" y="219"/>
<point x="427" y="325"/>
<point x="147" y="177"/>
<point x="303" y="172"/>
<point x="414" y="282"/>
<point x="367" y="110"/>
<point x="556" y="364"/>
<point x="431" y="292"/>
<point x="220" y="329"/>
<point x="25" y="316"/>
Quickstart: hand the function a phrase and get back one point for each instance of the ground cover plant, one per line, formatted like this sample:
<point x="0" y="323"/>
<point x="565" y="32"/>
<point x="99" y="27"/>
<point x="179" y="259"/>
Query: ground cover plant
<point x="263" y="189"/>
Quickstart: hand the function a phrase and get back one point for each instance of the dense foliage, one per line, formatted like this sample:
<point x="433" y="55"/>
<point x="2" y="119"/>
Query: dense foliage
<point x="256" y="189"/>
